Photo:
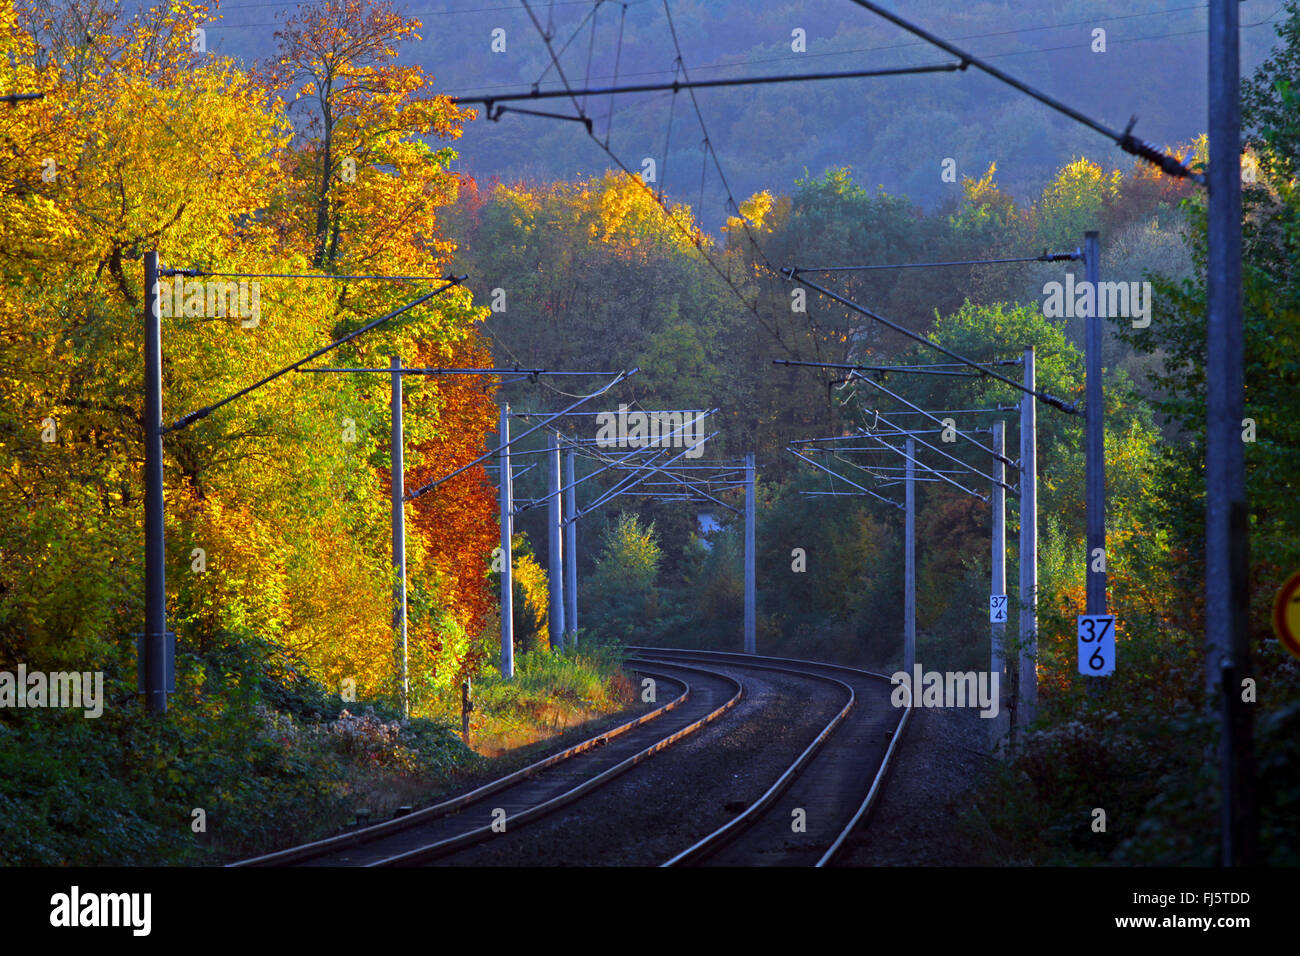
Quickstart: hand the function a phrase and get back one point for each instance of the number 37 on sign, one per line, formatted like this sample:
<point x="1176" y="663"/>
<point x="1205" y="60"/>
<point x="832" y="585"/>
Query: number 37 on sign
<point x="1096" y="644"/>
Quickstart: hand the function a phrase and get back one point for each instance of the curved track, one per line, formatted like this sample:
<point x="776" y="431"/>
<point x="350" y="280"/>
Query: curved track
<point x="802" y="819"/>
<point x="533" y="791"/>
<point x="834" y="782"/>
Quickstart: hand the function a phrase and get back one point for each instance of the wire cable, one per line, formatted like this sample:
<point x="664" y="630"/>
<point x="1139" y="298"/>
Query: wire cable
<point x="1125" y="141"/>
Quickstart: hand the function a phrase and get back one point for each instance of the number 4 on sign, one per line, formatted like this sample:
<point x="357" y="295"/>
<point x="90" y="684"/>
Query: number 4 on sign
<point x="1096" y="645"/>
<point x="997" y="608"/>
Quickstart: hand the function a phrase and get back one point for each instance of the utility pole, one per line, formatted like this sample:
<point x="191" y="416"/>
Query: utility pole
<point x="1027" y="701"/>
<point x="1096" y="435"/>
<point x="1094" y="446"/>
<point x="397" y="482"/>
<point x="909" y="562"/>
<point x="571" y="546"/>
<point x="555" y="522"/>
<point x="156" y="648"/>
<point x="1227" y="657"/>
<point x="507" y="559"/>
<point x="751" y="607"/>
<point x="997" y="502"/>
<point x="155" y="556"/>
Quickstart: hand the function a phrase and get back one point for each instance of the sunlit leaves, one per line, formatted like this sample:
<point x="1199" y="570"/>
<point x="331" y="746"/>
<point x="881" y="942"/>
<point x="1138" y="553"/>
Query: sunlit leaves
<point x="156" y="147"/>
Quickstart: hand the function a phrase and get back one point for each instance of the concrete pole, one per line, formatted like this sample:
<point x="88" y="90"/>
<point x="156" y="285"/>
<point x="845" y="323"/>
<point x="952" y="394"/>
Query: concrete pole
<point x="155" y="554"/>
<point x="555" y="523"/>
<point x="998" y="585"/>
<point x="1227" y="596"/>
<point x="398" y="484"/>
<point x="751" y="605"/>
<point x="1027" y="702"/>
<point x="909" y="563"/>
<point x="1095" y="444"/>
<point x="507" y="559"/>
<point x="571" y="547"/>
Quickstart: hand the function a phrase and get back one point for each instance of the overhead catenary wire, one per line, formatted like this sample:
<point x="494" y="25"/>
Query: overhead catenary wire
<point x="488" y="99"/>
<point x="631" y="480"/>
<point x="965" y="60"/>
<point x="900" y="432"/>
<point x="920" y="411"/>
<point x="1074" y="256"/>
<point x="618" y="56"/>
<point x="636" y="450"/>
<point x="203" y="273"/>
<point x="207" y="410"/>
<point x="424" y="13"/>
<point x="916" y="461"/>
<point x="835" y="474"/>
<point x="532" y="373"/>
<point x="591" y="47"/>
<point x="578" y="3"/>
<point x="581" y="23"/>
<point x="794" y="274"/>
<point x="647" y="466"/>
<point x="732" y="204"/>
<point x="692" y="237"/>
<point x="888" y="47"/>
<point x="668" y="133"/>
<point x="511" y="353"/>
<point x="1126" y="141"/>
<point x="425" y="489"/>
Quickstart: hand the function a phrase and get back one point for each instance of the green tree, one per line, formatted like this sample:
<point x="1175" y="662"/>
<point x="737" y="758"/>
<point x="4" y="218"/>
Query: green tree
<point x="623" y="585"/>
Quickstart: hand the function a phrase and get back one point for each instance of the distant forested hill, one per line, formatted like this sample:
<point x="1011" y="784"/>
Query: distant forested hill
<point x="893" y="131"/>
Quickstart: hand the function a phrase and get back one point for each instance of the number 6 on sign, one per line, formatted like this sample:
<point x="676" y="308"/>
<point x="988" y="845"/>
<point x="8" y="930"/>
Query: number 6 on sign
<point x="1096" y="645"/>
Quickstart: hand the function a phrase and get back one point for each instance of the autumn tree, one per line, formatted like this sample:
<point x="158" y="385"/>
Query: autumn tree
<point x="276" y="504"/>
<point x="364" y="192"/>
<point x="365" y="184"/>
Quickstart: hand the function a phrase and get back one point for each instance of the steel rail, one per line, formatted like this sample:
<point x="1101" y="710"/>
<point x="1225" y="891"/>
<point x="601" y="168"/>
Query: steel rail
<point x="667" y="655"/>
<point x="449" y="845"/>
<point x="731" y="830"/>
<point x="317" y="848"/>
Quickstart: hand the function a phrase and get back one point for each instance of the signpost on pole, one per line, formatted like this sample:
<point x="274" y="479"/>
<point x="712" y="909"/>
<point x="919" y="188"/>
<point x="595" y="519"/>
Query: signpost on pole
<point x="1286" y="614"/>
<point x="1095" y="445"/>
<point x="1096" y="641"/>
<point x="998" y="610"/>
<point x="1095" y="472"/>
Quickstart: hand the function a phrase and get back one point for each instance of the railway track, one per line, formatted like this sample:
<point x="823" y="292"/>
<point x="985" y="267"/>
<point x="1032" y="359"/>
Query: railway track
<point x="802" y="819"/>
<point x="542" y="787"/>
<point x="805" y="816"/>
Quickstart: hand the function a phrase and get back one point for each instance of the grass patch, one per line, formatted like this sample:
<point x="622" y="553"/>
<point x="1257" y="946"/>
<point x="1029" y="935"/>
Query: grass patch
<point x="549" y="695"/>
